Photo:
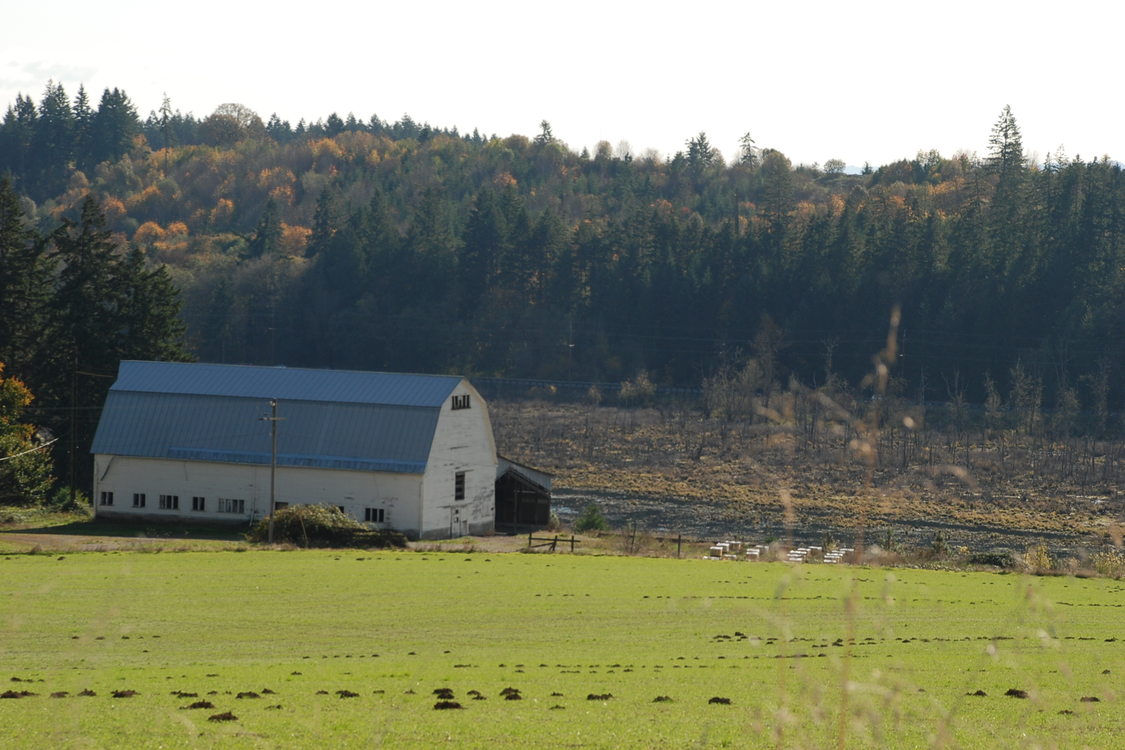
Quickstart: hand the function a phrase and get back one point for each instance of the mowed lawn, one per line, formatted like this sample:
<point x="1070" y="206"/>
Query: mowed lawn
<point x="345" y="649"/>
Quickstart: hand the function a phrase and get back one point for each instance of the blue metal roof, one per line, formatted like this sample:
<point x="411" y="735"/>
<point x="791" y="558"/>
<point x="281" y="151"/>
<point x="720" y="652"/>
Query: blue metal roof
<point x="285" y="383"/>
<point x="330" y="418"/>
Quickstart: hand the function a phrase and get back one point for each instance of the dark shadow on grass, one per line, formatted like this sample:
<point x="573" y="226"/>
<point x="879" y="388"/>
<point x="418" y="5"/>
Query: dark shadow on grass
<point x="134" y="529"/>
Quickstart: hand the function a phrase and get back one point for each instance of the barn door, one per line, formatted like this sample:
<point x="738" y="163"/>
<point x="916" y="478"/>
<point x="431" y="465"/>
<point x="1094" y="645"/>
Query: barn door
<point x="457" y="525"/>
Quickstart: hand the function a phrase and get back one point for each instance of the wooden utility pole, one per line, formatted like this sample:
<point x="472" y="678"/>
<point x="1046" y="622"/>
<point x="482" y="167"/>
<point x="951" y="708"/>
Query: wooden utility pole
<point x="73" y="426"/>
<point x="273" y="419"/>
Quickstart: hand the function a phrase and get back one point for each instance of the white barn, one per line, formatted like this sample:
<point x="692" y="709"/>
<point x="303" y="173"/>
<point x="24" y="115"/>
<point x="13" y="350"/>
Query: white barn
<point x="191" y="441"/>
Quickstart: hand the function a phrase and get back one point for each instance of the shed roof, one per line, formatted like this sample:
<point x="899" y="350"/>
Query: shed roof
<point x="335" y="419"/>
<point x="538" y="477"/>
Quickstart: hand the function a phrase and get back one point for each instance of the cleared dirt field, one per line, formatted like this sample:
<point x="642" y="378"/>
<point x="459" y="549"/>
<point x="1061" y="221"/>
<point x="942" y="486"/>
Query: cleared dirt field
<point x="802" y="471"/>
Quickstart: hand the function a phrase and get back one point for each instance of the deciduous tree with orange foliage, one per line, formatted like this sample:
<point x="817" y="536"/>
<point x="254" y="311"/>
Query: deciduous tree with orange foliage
<point x="25" y="462"/>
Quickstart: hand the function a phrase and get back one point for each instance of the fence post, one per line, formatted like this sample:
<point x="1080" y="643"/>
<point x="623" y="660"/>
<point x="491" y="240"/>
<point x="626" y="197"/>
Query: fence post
<point x="554" y="542"/>
<point x="529" y="534"/>
<point x="572" y="543"/>
<point x="679" y="541"/>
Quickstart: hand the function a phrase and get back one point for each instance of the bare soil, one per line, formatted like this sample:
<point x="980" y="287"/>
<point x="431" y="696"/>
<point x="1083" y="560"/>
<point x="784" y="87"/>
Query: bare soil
<point x="805" y="469"/>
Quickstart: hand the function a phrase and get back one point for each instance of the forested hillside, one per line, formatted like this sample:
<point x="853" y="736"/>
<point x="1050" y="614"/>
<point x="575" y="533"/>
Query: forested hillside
<point x="399" y="246"/>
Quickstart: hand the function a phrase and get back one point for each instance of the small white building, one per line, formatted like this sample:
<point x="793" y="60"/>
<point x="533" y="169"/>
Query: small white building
<point x="192" y="441"/>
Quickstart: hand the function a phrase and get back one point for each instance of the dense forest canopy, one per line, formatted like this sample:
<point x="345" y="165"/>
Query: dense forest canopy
<point x="369" y="244"/>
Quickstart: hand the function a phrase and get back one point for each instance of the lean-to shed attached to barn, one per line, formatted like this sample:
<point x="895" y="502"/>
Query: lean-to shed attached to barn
<point x="523" y="496"/>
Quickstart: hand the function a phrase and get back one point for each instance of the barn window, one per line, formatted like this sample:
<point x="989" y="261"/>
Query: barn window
<point x="232" y="505"/>
<point x="138" y="499"/>
<point x="459" y="486"/>
<point x="169" y="502"/>
<point x="374" y="515"/>
<point x="198" y="503"/>
<point x="107" y="498"/>
<point x="461" y="402"/>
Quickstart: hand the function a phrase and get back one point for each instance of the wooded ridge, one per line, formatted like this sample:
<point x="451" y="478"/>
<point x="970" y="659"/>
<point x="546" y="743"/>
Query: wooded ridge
<point x="400" y="246"/>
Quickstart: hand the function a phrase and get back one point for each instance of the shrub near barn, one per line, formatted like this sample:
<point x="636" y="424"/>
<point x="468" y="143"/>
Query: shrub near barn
<point x="322" y="526"/>
<point x="25" y="472"/>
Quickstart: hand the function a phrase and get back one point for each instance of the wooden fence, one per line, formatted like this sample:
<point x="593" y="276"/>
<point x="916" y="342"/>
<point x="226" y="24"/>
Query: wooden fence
<point x="629" y="538"/>
<point x="534" y="542"/>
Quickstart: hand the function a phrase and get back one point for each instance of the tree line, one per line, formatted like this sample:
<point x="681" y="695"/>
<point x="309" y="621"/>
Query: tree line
<point x="76" y="303"/>
<point x="397" y="246"/>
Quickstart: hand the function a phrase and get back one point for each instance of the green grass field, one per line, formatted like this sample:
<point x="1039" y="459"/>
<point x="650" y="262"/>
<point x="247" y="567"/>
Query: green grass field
<point x="813" y="656"/>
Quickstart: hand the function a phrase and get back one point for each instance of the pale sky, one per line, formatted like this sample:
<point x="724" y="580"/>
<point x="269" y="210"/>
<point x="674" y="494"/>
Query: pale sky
<point x="864" y="81"/>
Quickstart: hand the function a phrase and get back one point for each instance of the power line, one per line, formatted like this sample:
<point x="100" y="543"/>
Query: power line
<point x="29" y="450"/>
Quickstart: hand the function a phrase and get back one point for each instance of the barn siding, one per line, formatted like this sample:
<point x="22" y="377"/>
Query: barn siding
<point x="398" y="494"/>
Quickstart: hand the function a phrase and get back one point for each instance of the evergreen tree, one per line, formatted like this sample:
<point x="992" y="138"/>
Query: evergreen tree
<point x="279" y="129"/>
<point x="54" y="140"/>
<point x="776" y="175"/>
<point x="17" y="134"/>
<point x="167" y="134"/>
<point x="700" y="153"/>
<point x="114" y="125"/>
<point x="483" y="245"/>
<point x="1009" y="209"/>
<point x="545" y="135"/>
<point x="344" y="262"/>
<point x="747" y="151"/>
<point x="431" y="228"/>
<point x="217" y="332"/>
<point x="83" y="119"/>
<point x="105" y="309"/>
<point x="1005" y="145"/>
<point x="82" y="330"/>
<point x="333" y="126"/>
<point x="150" y="326"/>
<point x="268" y="233"/>
<point x="324" y="223"/>
<point x="25" y="285"/>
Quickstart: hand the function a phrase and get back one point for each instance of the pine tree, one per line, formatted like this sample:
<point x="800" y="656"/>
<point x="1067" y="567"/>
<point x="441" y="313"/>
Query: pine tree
<point x="1005" y="145"/>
